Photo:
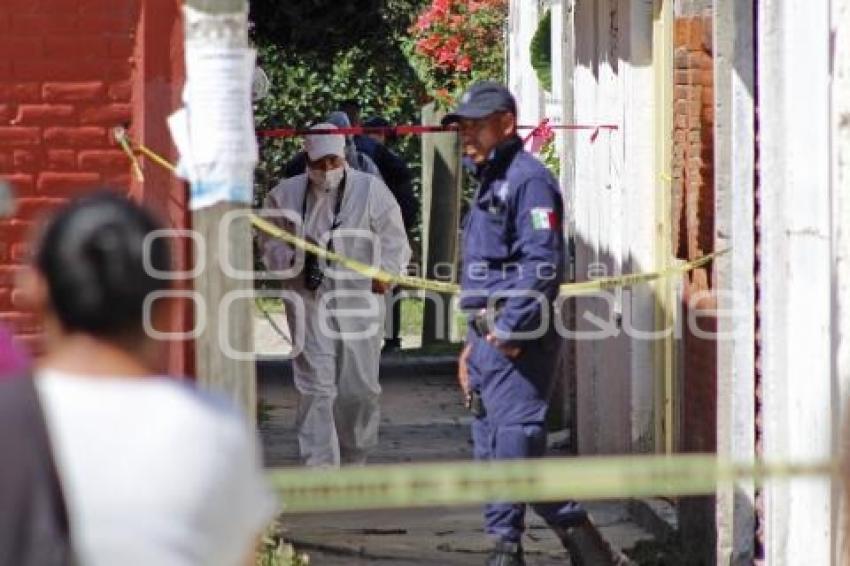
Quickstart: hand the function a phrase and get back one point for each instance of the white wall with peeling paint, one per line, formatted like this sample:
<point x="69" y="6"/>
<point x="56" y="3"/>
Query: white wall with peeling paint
<point x="602" y="74"/>
<point x="796" y="271"/>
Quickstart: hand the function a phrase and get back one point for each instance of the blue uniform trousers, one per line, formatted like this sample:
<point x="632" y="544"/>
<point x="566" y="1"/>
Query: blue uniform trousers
<point x="515" y="395"/>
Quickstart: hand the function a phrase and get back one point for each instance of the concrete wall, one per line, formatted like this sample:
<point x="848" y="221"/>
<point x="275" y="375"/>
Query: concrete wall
<point x="794" y="179"/>
<point x="689" y="8"/>
<point x="522" y="80"/>
<point x="613" y="209"/>
<point x="800" y="218"/>
<point x="604" y="76"/>
<point x="840" y="124"/>
<point x="535" y="104"/>
<point x="796" y="297"/>
<point x="735" y="230"/>
<point x="639" y="188"/>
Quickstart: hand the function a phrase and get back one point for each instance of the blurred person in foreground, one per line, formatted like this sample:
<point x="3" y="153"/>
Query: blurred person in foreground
<point x="335" y="316"/>
<point x="513" y="265"/>
<point x="152" y="470"/>
<point x="14" y="361"/>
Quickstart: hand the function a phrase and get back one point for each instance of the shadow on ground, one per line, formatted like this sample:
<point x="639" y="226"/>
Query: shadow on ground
<point x="423" y="420"/>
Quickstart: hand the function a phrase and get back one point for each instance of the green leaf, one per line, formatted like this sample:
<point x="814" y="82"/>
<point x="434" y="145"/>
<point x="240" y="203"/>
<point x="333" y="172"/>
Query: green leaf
<point x="541" y="51"/>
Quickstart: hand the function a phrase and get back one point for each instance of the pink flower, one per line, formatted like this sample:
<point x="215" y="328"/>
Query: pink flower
<point x="445" y="57"/>
<point x="423" y="23"/>
<point x="440" y="7"/>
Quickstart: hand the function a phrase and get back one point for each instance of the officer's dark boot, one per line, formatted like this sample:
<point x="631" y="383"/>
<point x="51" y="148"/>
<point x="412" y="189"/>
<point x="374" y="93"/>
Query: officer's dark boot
<point x="506" y="554"/>
<point x="587" y="546"/>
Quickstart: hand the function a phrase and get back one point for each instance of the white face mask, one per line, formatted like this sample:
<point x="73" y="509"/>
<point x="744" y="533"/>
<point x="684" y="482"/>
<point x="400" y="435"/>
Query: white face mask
<point x="325" y="180"/>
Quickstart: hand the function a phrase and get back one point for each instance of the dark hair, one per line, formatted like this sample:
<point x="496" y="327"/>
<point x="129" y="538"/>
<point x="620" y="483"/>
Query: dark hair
<point x="381" y="122"/>
<point x="351" y="107"/>
<point x="92" y="255"/>
<point x="350" y="103"/>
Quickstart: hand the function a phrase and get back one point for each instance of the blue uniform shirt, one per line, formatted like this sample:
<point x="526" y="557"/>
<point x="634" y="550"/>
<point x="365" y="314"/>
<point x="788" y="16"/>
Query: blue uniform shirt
<point x="513" y="240"/>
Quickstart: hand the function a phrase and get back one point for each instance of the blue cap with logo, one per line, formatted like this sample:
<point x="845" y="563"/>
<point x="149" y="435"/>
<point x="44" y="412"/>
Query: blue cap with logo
<point x="482" y="99"/>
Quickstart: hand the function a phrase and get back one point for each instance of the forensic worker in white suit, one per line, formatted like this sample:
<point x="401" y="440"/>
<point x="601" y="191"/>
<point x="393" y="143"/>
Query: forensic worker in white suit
<point x="335" y="315"/>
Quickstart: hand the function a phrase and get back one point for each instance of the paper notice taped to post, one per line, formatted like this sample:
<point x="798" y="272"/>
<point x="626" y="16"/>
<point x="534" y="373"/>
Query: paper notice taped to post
<point x="221" y="151"/>
<point x="178" y="125"/>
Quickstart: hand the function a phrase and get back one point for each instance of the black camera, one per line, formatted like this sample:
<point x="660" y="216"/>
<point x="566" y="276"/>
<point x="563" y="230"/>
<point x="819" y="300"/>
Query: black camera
<point x="313" y="273"/>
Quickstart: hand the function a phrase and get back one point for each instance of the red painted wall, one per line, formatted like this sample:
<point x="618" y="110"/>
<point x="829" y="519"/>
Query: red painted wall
<point x="70" y="71"/>
<point x="693" y="225"/>
<point x="157" y="87"/>
<point x="693" y="173"/>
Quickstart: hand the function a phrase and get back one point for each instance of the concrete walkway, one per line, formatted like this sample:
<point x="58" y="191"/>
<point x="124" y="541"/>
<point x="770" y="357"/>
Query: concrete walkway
<point x="272" y="338"/>
<point x="423" y="420"/>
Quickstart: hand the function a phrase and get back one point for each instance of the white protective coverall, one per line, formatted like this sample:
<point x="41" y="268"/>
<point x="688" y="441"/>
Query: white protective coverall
<point x="336" y="369"/>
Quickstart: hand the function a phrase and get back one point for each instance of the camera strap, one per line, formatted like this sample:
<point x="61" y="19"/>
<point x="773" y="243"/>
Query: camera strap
<point x="340" y="193"/>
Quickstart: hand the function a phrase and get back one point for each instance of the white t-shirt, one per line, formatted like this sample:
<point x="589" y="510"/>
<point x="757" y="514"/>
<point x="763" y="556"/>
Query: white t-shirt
<point x="154" y="472"/>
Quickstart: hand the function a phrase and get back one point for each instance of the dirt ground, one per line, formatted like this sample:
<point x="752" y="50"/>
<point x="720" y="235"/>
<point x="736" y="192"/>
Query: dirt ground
<point x="422" y="420"/>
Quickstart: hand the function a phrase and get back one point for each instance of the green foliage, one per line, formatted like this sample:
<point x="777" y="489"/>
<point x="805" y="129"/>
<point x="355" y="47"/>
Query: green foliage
<point x="316" y="25"/>
<point x="325" y="27"/>
<point x="317" y="58"/>
<point x="455" y="43"/>
<point x="412" y="315"/>
<point x="541" y="51"/>
<point x="305" y="88"/>
<point x="274" y="551"/>
<point x="549" y="157"/>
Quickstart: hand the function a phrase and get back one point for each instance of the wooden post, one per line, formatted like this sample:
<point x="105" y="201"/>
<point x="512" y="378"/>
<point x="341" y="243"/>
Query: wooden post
<point x="216" y="370"/>
<point x="441" y="190"/>
<point x="666" y="397"/>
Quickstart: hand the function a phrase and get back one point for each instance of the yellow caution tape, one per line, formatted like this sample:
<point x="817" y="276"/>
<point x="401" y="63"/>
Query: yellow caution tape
<point x="466" y="483"/>
<point x="120" y="135"/>
<point x="603" y="283"/>
<point x="583" y="287"/>
<point x="162" y="162"/>
<point x="406" y="281"/>
<point x="549" y="479"/>
<point x="356" y="266"/>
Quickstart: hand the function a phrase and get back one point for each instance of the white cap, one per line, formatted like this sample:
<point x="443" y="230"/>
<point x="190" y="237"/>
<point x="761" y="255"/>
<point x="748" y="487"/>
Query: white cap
<point x="321" y="145"/>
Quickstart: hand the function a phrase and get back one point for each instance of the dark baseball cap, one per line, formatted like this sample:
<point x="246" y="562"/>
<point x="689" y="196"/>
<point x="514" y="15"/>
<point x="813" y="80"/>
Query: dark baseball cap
<point x="481" y="100"/>
<point x="381" y="122"/>
<point x="376" y="122"/>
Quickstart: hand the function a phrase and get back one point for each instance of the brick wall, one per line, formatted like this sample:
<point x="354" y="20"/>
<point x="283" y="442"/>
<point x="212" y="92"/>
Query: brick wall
<point x="693" y="233"/>
<point x="66" y="68"/>
<point x="693" y="186"/>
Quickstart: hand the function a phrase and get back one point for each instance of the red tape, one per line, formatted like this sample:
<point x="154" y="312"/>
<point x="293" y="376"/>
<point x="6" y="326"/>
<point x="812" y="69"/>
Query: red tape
<point x="414" y="129"/>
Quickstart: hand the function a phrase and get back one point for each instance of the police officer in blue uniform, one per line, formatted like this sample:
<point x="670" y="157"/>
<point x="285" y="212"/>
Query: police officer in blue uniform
<point x="513" y="264"/>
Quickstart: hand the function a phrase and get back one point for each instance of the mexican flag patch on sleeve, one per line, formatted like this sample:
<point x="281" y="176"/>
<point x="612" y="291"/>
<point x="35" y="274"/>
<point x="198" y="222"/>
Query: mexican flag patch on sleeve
<point x="543" y="219"/>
